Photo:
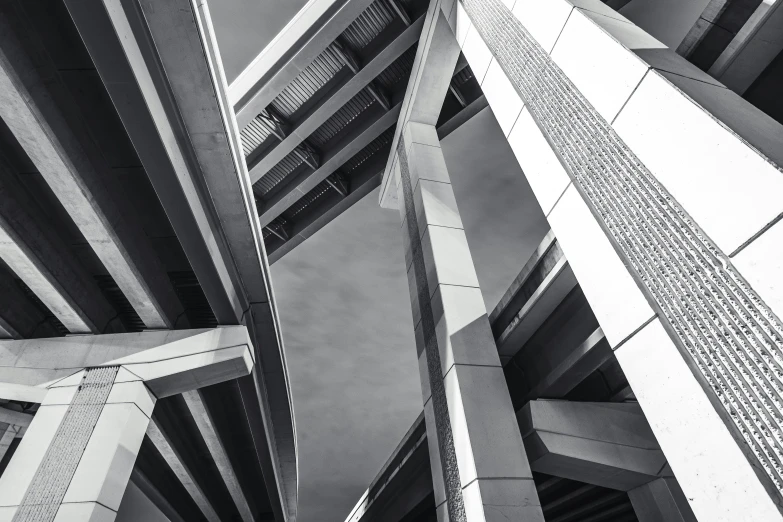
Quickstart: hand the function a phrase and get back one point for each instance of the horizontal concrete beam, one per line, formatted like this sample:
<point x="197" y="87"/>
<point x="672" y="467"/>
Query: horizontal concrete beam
<point x="308" y="34"/>
<point x="21" y="392"/>
<point x="78" y="176"/>
<point x="604" y="444"/>
<point x="324" y="110"/>
<point x="36" y="362"/>
<point x="360" y="136"/>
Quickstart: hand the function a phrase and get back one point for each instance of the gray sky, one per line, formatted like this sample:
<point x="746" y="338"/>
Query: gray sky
<point x="343" y="295"/>
<point x="244" y="27"/>
<point x="346" y="319"/>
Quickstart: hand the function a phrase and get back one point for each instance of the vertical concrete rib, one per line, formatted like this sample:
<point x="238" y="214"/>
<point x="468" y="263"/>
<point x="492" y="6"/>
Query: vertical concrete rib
<point x="206" y="427"/>
<point x="77" y="174"/>
<point x="179" y="468"/>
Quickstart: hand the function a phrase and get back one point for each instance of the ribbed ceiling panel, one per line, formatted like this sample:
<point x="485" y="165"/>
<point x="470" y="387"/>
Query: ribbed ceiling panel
<point x="374" y="147"/>
<point x="255" y="133"/>
<point x="399" y="70"/>
<point x="342" y="118"/>
<point x="303" y="87"/>
<point x="277" y="173"/>
<point x="378" y="144"/>
<point x="370" y="23"/>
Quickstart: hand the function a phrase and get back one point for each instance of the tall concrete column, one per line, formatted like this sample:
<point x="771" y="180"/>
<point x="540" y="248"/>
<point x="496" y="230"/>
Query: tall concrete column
<point x="621" y="140"/>
<point x="480" y="471"/>
<point x="78" y="453"/>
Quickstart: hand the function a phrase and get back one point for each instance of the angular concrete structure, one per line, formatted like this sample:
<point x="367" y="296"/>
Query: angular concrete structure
<point x="632" y="370"/>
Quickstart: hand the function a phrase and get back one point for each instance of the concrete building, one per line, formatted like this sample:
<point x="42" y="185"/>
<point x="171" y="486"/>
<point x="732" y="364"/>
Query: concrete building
<point x="633" y="370"/>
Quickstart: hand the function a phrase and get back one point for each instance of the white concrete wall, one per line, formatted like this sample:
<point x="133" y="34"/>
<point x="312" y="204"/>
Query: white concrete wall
<point x="714" y="153"/>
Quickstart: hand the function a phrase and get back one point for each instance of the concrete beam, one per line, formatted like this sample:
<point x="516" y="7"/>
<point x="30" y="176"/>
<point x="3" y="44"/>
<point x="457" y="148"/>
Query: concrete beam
<point x="183" y="36"/>
<point x="661" y="500"/>
<point x="720" y="22"/>
<point x="35" y="362"/>
<point x="463" y="116"/>
<point x="7" y="436"/>
<point x="77" y="175"/>
<point x="433" y="67"/>
<point x="360" y="136"/>
<point x="362" y="183"/>
<point x="208" y="430"/>
<point x="753" y="48"/>
<point x="46" y="264"/>
<point x="17" y="418"/>
<point x="148" y="488"/>
<point x="180" y="469"/>
<point x="308" y="34"/>
<point x="20" y="317"/>
<point x="537" y="290"/>
<point x="566" y="370"/>
<point x="120" y="49"/>
<point x="604" y="444"/>
<point x="323" y="110"/>
<point x="21" y="393"/>
<point x="403" y="482"/>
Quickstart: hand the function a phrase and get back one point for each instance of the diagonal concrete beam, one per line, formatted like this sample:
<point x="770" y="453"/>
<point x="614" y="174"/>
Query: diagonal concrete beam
<point x="7" y="437"/>
<point x="754" y="47"/>
<point x="308" y="34"/>
<point x="161" y="141"/>
<point x="437" y="56"/>
<point x="208" y="430"/>
<point x="360" y="136"/>
<point x="180" y="469"/>
<point x="151" y="492"/>
<point x="77" y="175"/>
<point x="362" y="183"/>
<point x="20" y="317"/>
<point x="324" y="110"/>
<point x="46" y="265"/>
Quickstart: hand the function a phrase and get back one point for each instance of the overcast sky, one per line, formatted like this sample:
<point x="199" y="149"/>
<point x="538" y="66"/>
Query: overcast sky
<point x="346" y="318"/>
<point x="343" y="294"/>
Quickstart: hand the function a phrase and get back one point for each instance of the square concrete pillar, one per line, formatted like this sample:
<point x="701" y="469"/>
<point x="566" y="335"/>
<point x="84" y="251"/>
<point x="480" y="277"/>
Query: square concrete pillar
<point x="633" y="154"/>
<point x="78" y="453"/>
<point x="480" y="471"/>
